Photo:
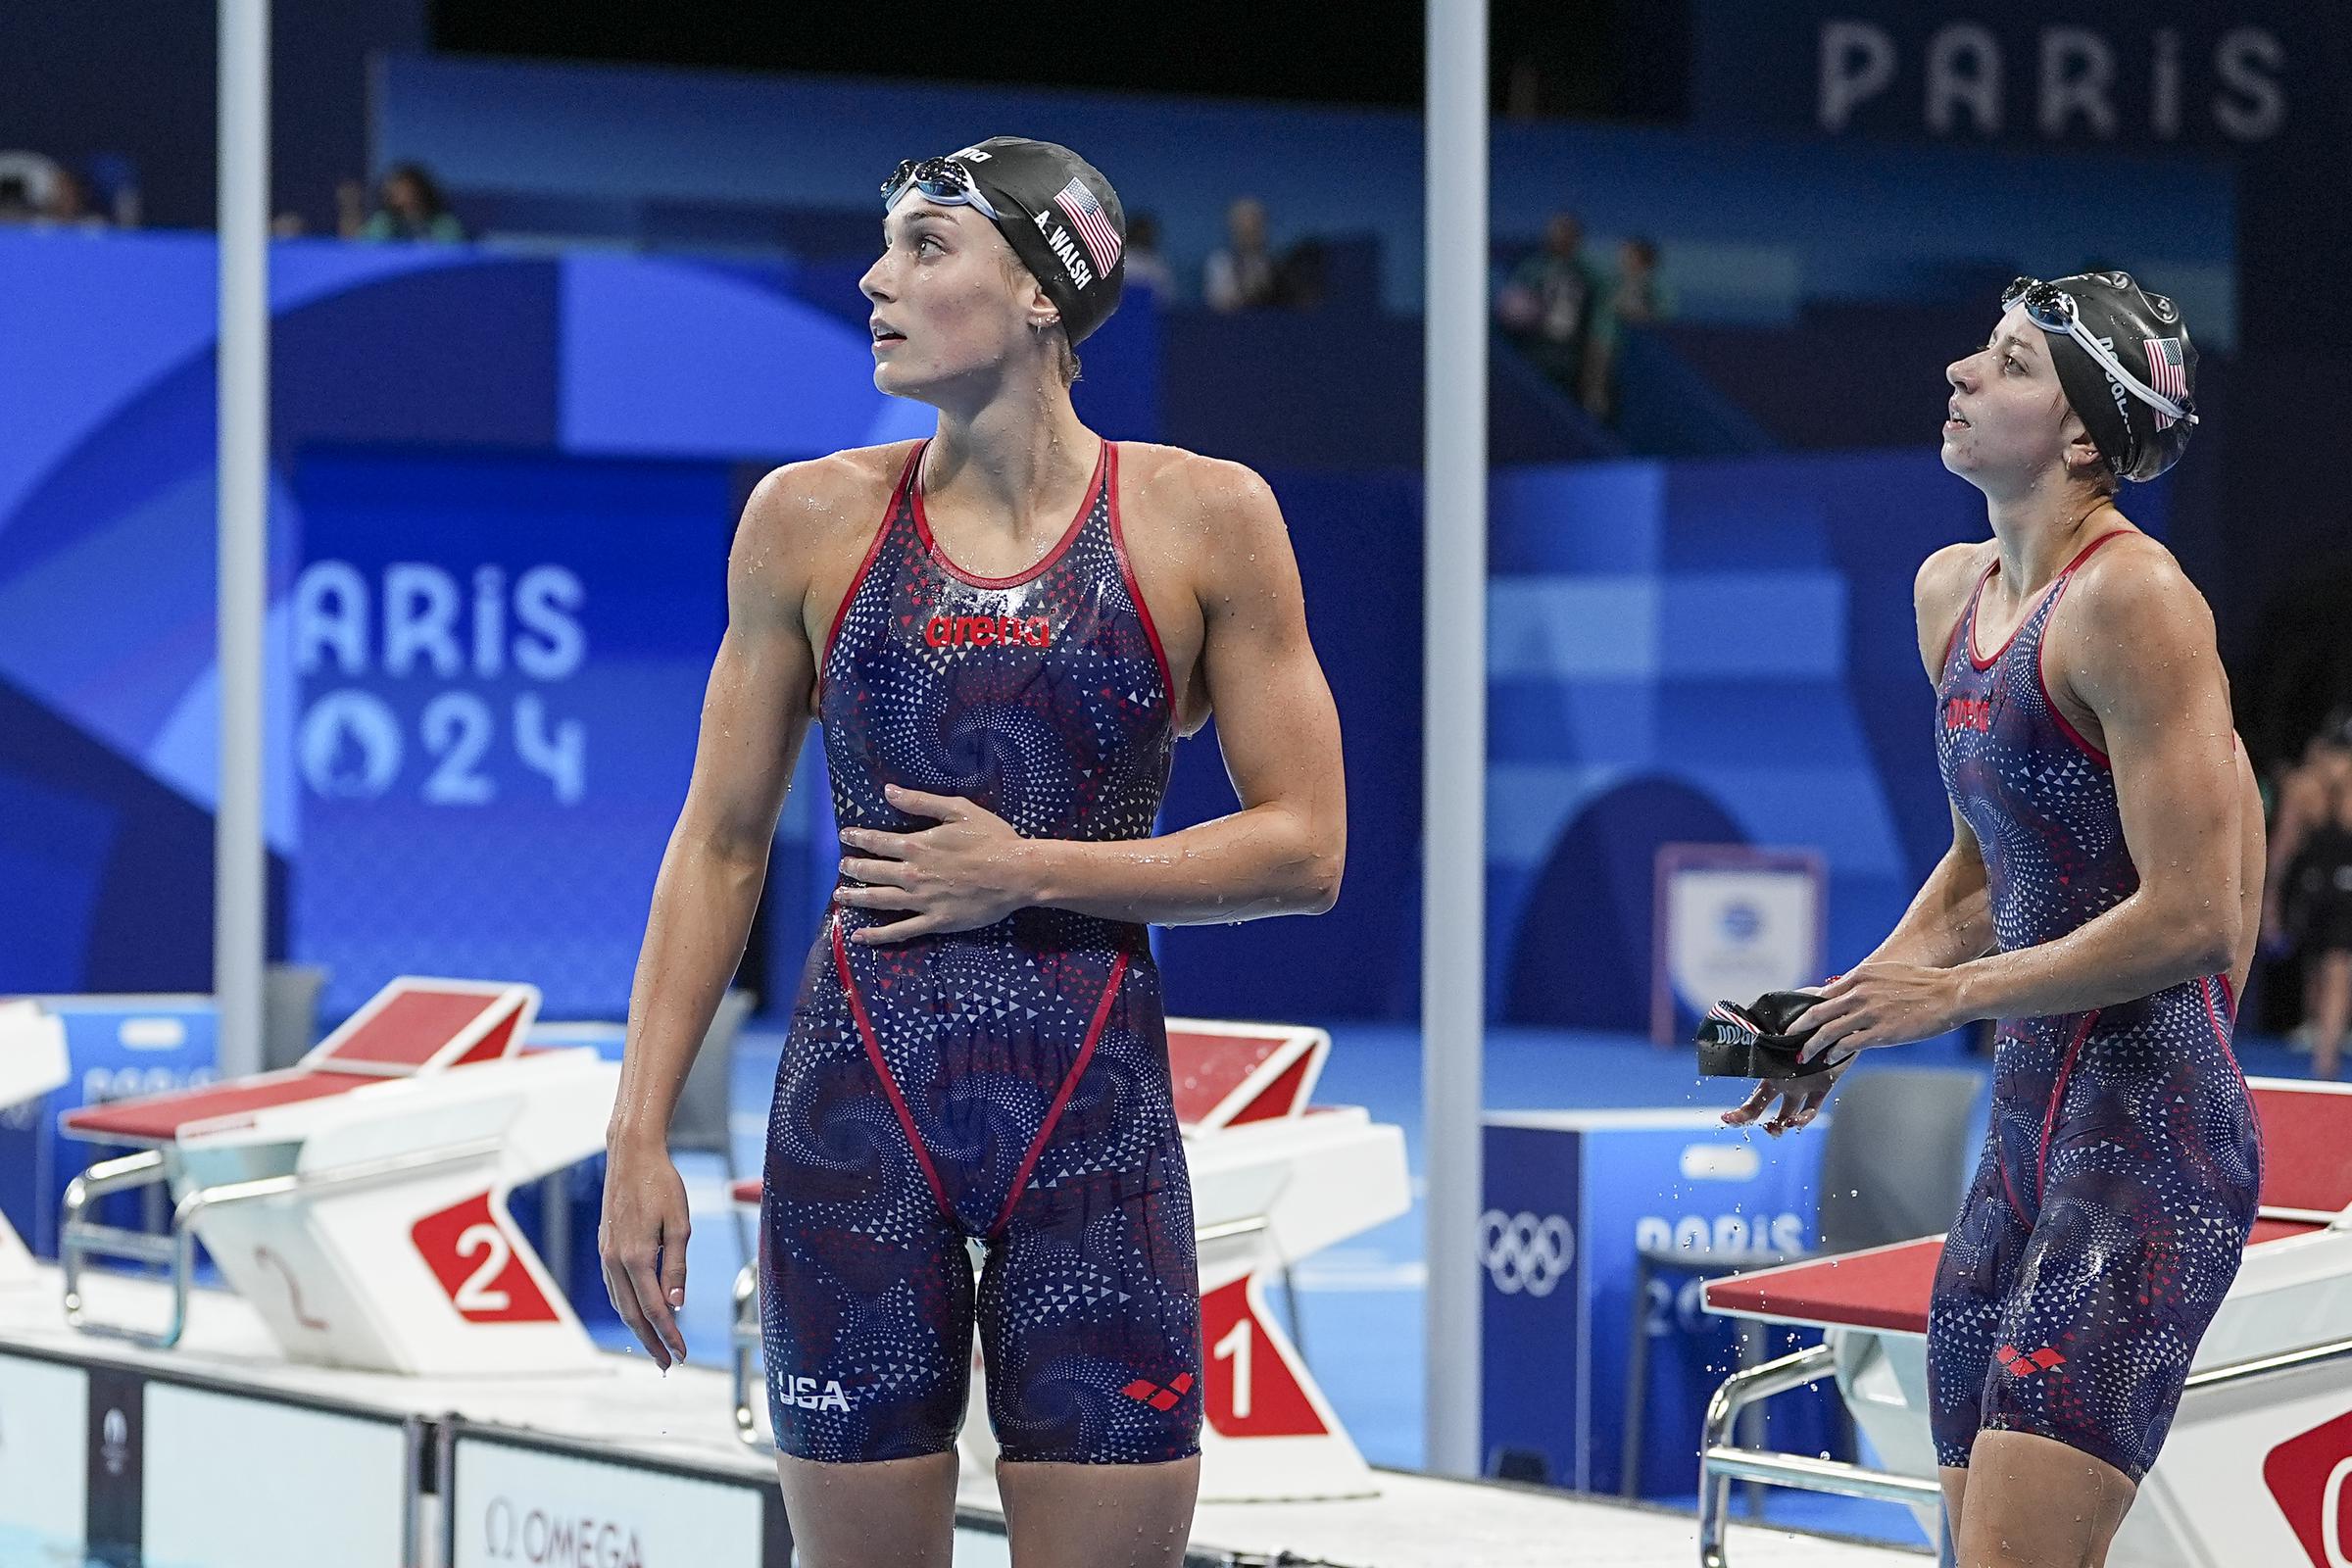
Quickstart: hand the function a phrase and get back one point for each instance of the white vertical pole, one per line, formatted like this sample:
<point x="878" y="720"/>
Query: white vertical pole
<point x="1455" y="720"/>
<point x="240" y="867"/>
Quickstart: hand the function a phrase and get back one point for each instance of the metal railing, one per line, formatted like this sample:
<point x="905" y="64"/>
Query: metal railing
<point x="80" y="1239"/>
<point x="1722" y="1462"/>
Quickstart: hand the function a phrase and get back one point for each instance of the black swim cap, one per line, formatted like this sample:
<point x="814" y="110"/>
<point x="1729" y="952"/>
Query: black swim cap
<point x="2148" y="339"/>
<point x="1059" y="213"/>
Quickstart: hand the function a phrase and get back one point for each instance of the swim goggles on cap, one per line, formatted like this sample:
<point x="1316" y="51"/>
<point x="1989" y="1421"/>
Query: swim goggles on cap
<point x="943" y="179"/>
<point x="2053" y="309"/>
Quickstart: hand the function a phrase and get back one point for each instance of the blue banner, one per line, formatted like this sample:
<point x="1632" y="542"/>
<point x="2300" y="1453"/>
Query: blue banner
<point x="2164" y="76"/>
<point x="1572" y="1200"/>
<point x="501" y="662"/>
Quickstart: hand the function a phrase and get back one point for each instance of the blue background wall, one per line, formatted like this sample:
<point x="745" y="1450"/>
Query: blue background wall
<point x="1753" y="223"/>
<point x="1710" y="649"/>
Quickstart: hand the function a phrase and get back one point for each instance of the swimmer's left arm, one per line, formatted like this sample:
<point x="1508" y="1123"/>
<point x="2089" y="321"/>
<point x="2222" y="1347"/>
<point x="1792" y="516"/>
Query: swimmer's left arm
<point x="1281" y="854"/>
<point x="2134" y="645"/>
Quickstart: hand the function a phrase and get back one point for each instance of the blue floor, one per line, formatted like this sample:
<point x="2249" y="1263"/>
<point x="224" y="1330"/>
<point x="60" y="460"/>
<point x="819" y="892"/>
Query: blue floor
<point x="1360" y="1302"/>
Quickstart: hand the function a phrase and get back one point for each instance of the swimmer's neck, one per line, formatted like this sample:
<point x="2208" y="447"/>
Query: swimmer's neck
<point x="2043" y="526"/>
<point x="1016" y="456"/>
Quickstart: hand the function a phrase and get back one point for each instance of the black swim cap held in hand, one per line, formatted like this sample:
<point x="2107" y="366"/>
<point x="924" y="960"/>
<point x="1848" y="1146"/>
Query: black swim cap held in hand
<point x="1755" y="1040"/>
<point x="1061" y="218"/>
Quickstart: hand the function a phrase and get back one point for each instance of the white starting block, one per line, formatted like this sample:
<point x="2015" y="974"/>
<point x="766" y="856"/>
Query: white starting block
<point x="32" y="1062"/>
<point x="2256" y="1466"/>
<point x="358" y="1200"/>
<point x="1273" y="1181"/>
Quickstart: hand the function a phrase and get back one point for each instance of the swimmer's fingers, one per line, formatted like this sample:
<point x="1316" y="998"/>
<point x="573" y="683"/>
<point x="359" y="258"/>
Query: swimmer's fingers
<point x="878" y="898"/>
<point x="642" y="1240"/>
<point x="938" y="808"/>
<point x="873" y="841"/>
<point x="878" y="873"/>
<point x="920" y="925"/>
<point x="619" y="1286"/>
<point x="653" y="1294"/>
<point x="1749" y="1109"/>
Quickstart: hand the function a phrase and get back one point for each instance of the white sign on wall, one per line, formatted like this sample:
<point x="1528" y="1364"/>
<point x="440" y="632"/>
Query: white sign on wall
<point x="259" y="1484"/>
<point x="1732" y="923"/>
<point x="516" y="1507"/>
<point x="44" y="1411"/>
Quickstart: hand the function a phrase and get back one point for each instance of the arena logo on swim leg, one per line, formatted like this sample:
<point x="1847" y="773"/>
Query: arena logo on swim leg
<point x="988" y="631"/>
<point x="807" y="1394"/>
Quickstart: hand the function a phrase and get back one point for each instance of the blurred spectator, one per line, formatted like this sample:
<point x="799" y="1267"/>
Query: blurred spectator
<point x="409" y="207"/>
<point x="1300" y="277"/>
<point x="69" y="205"/>
<point x="1550" y="304"/>
<point x="1145" y="266"/>
<point x="350" y="207"/>
<point x="2307" y="895"/>
<point x="1635" y="298"/>
<point x="1239" y="277"/>
<point x="26" y="182"/>
<point x="1639" y="297"/>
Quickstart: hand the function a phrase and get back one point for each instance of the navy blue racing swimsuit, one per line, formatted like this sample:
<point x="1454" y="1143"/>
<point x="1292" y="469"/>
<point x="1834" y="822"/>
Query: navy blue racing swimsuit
<point x="2118" y="1180"/>
<point x="1006" y="1085"/>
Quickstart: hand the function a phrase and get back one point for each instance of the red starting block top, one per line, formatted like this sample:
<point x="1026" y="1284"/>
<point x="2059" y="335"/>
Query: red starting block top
<point x="2306" y="1145"/>
<point x="1885" y="1288"/>
<point x="1882" y="1287"/>
<point x="412" y="1026"/>
<point x="1225" y="1074"/>
<point x="159" y="1118"/>
<point x="746" y="1191"/>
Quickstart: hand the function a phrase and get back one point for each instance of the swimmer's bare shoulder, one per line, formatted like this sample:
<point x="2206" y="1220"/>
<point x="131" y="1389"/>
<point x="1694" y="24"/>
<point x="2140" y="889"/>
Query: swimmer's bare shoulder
<point x="805" y="533"/>
<point x="1207" y="542"/>
<point x="1940" y="592"/>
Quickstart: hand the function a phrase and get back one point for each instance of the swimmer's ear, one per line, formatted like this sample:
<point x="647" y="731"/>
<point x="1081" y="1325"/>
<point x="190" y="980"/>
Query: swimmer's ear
<point x="2084" y="460"/>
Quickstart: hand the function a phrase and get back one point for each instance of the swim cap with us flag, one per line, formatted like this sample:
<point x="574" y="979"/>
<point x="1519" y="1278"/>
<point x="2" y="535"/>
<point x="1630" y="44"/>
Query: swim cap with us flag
<point x="2144" y="334"/>
<point x="1061" y="218"/>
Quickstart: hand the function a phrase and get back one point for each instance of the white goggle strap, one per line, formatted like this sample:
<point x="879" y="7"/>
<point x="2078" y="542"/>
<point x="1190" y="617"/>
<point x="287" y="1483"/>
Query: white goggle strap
<point x="2124" y="378"/>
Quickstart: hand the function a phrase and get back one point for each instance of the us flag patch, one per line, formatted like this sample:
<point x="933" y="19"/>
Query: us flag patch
<point x="1092" y="224"/>
<point x="2166" y="375"/>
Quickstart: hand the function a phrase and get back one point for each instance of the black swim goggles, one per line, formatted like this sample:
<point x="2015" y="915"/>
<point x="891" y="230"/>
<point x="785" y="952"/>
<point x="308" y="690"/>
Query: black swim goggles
<point x="2053" y="309"/>
<point x="943" y="179"/>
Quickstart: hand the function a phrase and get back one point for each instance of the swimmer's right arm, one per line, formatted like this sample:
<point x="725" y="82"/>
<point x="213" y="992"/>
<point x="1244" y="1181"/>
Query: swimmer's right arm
<point x="755" y="713"/>
<point x="1950" y="919"/>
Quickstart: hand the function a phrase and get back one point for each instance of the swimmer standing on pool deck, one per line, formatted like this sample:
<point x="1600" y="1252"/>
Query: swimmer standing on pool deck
<point x="2101" y="899"/>
<point x="1002" y="630"/>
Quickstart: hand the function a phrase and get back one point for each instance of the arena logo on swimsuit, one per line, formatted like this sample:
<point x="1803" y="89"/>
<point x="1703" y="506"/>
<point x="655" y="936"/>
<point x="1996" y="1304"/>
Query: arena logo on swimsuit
<point x="989" y="631"/>
<point x="1968" y="712"/>
<point x="808" y="1394"/>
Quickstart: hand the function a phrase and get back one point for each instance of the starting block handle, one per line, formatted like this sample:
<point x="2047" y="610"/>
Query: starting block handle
<point x="746" y="1354"/>
<point x="80" y="1239"/>
<point x="1721" y="1461"/>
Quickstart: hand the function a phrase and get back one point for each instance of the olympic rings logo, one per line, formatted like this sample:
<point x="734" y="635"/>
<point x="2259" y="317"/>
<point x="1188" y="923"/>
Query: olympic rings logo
<point x="1523" y="1252"/>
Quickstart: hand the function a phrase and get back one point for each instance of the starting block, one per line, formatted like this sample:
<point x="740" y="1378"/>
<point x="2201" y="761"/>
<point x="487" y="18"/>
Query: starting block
<point x="32" y="1062"/>
<point x="358" y="1200"/>
<point x="1274" y="1180"/>
<point x="2255" y="1465"/>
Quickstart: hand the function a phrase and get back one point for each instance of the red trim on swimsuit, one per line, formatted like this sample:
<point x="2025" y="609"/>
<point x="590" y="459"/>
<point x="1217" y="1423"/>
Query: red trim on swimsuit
<point x="1061" y="1097"/>
<point x="889" y="514"/>
<point x="1062" y="546"/>
<point x="889" y="1085"/>
<point x="2049" y="1122"/>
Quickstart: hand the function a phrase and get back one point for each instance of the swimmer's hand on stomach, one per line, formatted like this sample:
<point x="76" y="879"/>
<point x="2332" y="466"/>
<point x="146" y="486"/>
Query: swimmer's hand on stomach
<point x="968" y="870"/>
<point x="1881" y="1002"/>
